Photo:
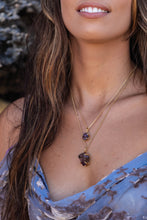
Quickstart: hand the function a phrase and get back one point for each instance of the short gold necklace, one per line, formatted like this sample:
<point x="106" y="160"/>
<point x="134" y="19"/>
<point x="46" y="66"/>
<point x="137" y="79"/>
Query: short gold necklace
<point x="85" y="157"/>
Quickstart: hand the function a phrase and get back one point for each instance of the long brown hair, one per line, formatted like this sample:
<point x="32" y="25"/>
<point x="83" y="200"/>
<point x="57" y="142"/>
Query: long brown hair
<point x="49" y="83"/>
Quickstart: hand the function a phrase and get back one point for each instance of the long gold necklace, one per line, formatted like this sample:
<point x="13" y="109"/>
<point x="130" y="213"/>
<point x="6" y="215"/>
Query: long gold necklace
<point x="85" y="157"/>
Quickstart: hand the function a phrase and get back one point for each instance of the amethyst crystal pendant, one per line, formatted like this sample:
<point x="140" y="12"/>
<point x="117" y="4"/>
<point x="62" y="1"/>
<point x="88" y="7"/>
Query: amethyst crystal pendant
<point x="84" y="159"/>
<point x="85" y="136"/>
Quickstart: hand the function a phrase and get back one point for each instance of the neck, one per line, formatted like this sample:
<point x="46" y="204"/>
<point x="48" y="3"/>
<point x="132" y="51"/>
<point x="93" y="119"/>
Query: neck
<point x="99" y="69"/>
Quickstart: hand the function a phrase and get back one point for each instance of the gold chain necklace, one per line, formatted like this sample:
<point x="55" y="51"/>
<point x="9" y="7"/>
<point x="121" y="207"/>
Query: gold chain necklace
<point x="84" y="157"/>
<point x="86" y="134"/>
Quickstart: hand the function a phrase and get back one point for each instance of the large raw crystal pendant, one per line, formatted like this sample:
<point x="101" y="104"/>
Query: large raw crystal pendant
<point x="84" y="158"/>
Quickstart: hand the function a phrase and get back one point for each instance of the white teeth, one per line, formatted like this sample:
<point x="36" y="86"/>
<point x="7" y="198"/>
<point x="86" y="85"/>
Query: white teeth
<point x="95" y="10"/>
<point x="92" y="10"/>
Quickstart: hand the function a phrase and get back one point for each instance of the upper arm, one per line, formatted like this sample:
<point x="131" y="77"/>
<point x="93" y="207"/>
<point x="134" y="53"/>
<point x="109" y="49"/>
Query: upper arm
<point x="10" y="122"/>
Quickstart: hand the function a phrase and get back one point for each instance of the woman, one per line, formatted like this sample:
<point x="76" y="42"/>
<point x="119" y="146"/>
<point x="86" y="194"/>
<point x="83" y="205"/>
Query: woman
<point x="80" y="144"/>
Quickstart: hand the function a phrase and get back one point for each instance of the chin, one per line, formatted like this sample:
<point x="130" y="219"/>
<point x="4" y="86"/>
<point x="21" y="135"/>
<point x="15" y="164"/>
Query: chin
<point x="99" y="37"/>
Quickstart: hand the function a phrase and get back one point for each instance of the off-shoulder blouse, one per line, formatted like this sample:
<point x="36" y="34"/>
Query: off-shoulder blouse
<point x="122" y="195"/>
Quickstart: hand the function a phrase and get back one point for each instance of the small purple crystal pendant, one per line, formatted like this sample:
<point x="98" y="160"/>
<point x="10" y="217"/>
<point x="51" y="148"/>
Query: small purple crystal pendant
<point x="85" y="136"/>
<point x="84" y="159"/>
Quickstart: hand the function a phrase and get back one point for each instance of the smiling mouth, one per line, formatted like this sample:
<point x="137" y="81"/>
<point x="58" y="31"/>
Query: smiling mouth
<point x="93" y="10"/>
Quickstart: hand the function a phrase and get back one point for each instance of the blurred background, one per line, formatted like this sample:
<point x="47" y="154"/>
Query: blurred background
<point x="16" y="18"/>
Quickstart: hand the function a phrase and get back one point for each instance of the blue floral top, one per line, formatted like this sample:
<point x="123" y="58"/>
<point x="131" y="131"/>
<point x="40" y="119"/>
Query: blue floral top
<point x="122" y="195"/>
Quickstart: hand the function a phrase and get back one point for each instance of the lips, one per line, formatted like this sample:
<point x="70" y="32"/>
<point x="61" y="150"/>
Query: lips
<point x="91" y="8"/>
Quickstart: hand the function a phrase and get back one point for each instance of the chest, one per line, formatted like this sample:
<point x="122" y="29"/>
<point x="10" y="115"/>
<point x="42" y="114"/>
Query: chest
<point x="113" y="147"/>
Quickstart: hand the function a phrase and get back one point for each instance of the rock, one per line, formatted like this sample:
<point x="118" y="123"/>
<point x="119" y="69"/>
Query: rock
<point x="16" y="17"/>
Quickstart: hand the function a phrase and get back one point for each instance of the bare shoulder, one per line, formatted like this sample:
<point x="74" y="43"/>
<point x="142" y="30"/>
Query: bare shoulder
<point x="10" y="122"/>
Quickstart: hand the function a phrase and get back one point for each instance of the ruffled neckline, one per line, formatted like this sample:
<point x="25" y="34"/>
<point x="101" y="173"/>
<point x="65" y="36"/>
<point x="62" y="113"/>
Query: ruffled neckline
<point x="108" y="181"/>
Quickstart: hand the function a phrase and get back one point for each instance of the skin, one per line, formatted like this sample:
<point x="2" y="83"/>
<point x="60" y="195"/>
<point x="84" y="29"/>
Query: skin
<point x="97" y="30"/>
<point x="101" y="61"/>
